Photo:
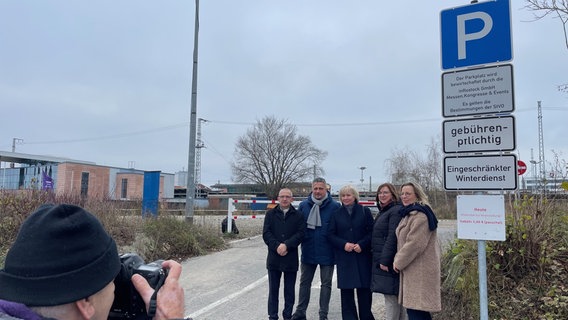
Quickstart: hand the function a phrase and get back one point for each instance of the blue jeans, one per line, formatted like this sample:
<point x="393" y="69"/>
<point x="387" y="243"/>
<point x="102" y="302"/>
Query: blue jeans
<point x="306" y="278"/>
<point x="274" y="289"/>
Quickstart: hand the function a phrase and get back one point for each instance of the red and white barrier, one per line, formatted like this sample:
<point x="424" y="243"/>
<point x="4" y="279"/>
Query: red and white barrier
<point x="232" y="202"/>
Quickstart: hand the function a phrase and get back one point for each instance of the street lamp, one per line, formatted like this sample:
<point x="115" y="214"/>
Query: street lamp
<point x="362" y="168"/>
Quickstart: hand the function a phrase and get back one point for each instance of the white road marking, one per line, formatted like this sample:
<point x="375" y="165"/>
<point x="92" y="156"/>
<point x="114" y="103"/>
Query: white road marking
<point x="229" y="297"/>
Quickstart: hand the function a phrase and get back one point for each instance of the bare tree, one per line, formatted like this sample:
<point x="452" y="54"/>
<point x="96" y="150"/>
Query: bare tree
<point x="555" y="8"/>
<point x="273" y="155"/>
<point x="404" y="165"/>
<point x="434" y="169"/>
<point x="424" y="168"/>
<point x="432" y="166"/>
<point x="558" y="171"/>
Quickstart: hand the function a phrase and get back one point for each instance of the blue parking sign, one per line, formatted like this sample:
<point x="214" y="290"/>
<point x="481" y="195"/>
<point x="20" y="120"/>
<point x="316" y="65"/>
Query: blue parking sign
<point x="476" y="34"/>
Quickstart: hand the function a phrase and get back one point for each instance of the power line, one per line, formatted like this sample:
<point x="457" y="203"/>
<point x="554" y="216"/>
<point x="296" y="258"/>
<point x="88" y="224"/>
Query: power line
<point x="345" y="124"/>
<point x="185" y="124"/>
<point x="115" y="136"/>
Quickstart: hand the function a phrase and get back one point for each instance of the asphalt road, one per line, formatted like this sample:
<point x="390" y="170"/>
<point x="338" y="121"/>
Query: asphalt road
<point x="232" y="284"/>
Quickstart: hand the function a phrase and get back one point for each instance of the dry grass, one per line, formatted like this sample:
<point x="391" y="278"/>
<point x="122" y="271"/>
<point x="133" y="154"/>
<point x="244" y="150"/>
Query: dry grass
<point x="166" y="237"/>
<point x="527" y="274"/>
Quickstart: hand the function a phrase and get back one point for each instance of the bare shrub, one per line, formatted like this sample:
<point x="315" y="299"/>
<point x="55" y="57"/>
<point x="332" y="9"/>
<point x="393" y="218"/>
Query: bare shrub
<point x="162" y="238"/>
<point x="169" y="237"/>
<point x="526" y="274"/>
<point x="15" y="207"/>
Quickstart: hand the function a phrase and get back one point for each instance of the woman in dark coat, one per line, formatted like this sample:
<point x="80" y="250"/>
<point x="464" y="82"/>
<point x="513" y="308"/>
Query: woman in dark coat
<point x="350" y="235"/>
<point x="385" y="280"/>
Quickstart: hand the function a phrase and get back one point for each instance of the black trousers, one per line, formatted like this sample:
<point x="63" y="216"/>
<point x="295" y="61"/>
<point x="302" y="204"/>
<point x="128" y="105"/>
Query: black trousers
<point x="364" y="302"/>
<point x="418" y="314"/>
<point x="274" y="290"/>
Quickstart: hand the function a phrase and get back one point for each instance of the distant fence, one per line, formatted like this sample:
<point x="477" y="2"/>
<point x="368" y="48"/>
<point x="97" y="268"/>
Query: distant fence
<point x="233" y="205"/>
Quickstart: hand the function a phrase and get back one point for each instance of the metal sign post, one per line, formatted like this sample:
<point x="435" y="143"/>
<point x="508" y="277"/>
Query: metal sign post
<point x="478" y="35"/>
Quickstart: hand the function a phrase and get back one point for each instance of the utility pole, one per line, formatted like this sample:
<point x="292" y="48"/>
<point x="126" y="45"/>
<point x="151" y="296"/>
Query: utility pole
<point x="533" y="169"/>
<point x="190" y="190"/>
<point x="14" y="141"/>
<point x="542" y="173"/>
<point x="198" y="148"/>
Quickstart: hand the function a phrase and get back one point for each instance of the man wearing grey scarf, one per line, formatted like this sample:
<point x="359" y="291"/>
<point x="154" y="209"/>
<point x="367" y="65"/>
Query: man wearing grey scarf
<point x="316" y="249"/>
<point x="314" y="219"/>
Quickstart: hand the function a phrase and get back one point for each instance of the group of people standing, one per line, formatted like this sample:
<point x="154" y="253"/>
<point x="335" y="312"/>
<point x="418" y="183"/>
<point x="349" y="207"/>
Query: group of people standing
<point x="396" y="253"/>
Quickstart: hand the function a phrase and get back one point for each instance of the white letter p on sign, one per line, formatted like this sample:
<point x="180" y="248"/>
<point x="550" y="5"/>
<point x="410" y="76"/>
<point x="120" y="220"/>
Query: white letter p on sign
<point x="464" y="37"/>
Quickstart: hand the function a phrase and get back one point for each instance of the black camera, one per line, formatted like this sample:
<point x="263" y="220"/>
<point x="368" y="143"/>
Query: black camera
<point x="128" y="303"/>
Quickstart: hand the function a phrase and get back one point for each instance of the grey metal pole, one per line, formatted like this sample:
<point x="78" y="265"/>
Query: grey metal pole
<point x="482" y="276"/>
<point x="482" y="269"/>
<point x="14" y="141"/>
<point x="190" y="191"/>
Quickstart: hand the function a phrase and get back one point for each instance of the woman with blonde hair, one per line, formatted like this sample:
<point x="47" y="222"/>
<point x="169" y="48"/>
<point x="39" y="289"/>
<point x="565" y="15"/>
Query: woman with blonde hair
<point x="418" y="255"/>
<point x="350" y="235"/>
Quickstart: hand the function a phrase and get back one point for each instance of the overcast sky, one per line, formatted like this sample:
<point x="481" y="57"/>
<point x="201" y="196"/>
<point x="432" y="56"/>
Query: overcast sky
<point x="109" y="81"/>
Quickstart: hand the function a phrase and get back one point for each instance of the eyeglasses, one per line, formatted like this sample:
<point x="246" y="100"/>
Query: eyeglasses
<point x="406" y="193"/>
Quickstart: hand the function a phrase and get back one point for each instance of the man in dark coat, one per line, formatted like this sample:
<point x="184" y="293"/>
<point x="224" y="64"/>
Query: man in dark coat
<point x="316" y="249"/>
<point x="283" y="232"/>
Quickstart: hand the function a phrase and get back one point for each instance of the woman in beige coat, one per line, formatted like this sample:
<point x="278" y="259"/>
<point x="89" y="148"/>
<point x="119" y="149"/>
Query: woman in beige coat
<point x="418" y="255"/>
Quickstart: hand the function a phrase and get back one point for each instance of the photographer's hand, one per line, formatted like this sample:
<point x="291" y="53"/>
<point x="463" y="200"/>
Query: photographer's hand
<point x="170" y="299"/>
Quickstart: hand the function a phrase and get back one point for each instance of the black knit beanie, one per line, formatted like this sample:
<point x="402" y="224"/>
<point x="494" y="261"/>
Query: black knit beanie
<point x="61" y="254"/>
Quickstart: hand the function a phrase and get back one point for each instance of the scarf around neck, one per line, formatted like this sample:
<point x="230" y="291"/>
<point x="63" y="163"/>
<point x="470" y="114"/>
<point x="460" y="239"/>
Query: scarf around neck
<point x="386" y="206"/>
<point x="314" y="219"/>
<point x="17" y="310"/>
<point x="432" y="220"/>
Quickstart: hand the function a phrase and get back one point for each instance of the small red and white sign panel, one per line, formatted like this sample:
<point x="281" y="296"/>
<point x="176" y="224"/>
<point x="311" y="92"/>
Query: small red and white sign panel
<point x="521" y="167"/>
<point x="481" y="217"/>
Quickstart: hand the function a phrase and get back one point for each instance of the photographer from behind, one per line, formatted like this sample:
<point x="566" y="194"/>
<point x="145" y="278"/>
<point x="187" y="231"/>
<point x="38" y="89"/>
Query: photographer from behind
<point x="63" y="265"/>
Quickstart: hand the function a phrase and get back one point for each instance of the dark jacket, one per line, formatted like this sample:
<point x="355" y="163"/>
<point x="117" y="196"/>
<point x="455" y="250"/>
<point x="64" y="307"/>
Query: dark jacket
<point x="316" y="249"/>
<point x="288" y="229"/>
<point x="384" y="249"/>
<point x="353" y="269"/>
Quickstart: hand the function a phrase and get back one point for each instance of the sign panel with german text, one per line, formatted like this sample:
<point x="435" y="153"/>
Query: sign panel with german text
<point x="478" y="91"/>
<point x="483" y="172"/>
<point x="479" y="134"/>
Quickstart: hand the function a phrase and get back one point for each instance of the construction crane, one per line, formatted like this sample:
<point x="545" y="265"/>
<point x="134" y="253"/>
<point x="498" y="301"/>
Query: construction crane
<point x="198" y="145"/>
